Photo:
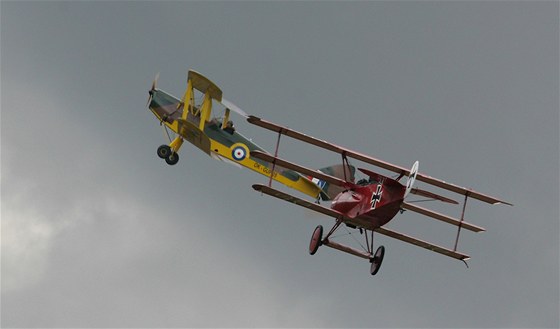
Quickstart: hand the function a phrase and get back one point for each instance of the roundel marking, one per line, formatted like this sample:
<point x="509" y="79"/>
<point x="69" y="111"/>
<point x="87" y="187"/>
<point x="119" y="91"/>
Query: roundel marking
<point x="239" y="152"/>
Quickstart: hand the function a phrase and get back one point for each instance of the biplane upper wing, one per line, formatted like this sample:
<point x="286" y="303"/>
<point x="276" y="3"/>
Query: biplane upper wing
<point x="205" y="85"/>
<point x="371" y="160"/>
<point x="333" y="213"/>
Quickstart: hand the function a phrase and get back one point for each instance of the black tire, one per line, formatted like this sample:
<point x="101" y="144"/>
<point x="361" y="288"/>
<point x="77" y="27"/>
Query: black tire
<point x="316" y="239"/>
<point x="172" y="159"/>
<point x="163" y="151"/>
<point x="377" y="259"/>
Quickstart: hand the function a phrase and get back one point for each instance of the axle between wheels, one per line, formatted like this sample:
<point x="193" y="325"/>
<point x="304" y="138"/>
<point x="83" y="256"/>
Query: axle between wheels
<point x="317" y="241"/>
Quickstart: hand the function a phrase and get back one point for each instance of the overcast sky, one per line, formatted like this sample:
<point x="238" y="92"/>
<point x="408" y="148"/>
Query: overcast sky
<point x="99" y="232"/>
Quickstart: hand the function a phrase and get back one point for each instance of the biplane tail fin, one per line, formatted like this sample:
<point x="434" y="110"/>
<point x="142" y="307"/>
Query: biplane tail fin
<point x="329" y="191"/>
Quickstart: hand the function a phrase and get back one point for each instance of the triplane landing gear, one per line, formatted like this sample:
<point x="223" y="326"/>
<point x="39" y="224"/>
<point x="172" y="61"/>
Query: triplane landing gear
<point x="376" y="259"/>
<point x="316" y="238"/>
<point x="165" y="152"/>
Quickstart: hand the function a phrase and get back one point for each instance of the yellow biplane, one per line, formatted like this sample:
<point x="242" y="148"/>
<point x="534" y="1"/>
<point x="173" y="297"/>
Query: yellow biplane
<point x="190" y="119"/>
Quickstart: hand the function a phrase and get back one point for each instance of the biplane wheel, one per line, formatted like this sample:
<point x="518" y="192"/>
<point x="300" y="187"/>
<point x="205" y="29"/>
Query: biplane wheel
<point x="376" y="260"/>
<point x="172" y="159"/>
<point x="163" y="151"/>
<point x="316" y="239"/>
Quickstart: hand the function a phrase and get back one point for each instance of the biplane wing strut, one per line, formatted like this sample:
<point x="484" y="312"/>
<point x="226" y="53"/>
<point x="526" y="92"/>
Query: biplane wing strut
<point x="373" y="161"/>
<point x="339" y="216"/>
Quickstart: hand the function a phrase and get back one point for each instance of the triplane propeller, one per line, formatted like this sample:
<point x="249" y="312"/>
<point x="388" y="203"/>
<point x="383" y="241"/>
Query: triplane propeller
<point x="366" y="205"/>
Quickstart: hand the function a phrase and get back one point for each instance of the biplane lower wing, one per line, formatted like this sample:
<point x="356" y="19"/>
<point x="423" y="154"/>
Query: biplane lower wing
<point x="371" y="160"/>
<point x="192" y="134"/>
<point x="335" y="214"/>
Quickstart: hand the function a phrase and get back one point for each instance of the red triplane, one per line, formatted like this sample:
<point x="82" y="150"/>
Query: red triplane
<point x="368" y="204"/>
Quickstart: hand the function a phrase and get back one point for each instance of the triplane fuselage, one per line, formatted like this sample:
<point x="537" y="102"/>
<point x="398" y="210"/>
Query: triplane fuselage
<point x="367" y="205"/>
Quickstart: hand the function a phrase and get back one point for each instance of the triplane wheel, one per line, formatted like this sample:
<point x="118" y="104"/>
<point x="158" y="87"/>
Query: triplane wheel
<point x="163" y="151"/>
<point x="316" y="238"/>
<point x="376" y="260"/>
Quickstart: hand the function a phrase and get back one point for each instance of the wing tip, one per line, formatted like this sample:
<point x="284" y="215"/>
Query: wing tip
<point x="498" y="202"/>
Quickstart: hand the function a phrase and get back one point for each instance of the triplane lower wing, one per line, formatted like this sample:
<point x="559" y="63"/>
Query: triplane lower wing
<point x="368" y="205"/>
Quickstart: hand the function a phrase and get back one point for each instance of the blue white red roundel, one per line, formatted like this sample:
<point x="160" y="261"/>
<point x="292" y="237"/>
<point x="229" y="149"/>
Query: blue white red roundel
<point x="239" y="153"/>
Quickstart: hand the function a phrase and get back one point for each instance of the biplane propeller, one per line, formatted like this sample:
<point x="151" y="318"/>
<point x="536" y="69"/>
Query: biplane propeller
<point x="369" y="205"/>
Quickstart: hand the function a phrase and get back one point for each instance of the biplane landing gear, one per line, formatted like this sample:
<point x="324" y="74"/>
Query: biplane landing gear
<point x="165" y="152"/>
<point x="172" y="159"/>
<point x="376" y="260"/>
<point x="316" y="239"/>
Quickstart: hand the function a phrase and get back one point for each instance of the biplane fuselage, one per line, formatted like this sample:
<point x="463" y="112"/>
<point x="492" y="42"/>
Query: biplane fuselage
<point x="215" y="136"/>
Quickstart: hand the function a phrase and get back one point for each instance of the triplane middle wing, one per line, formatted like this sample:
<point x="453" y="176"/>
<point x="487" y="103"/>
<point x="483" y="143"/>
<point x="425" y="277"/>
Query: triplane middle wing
<point x="368" y="205"/>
